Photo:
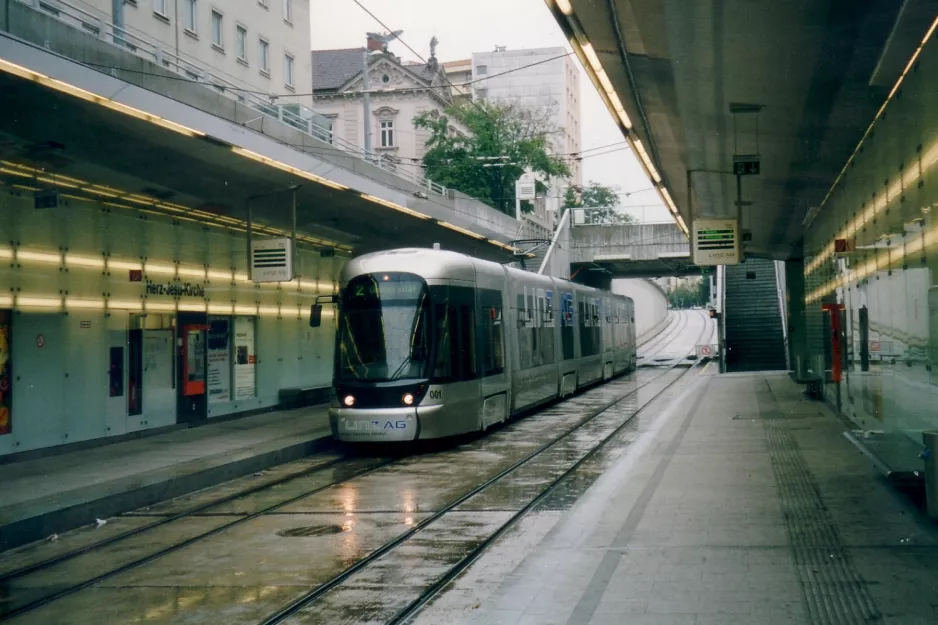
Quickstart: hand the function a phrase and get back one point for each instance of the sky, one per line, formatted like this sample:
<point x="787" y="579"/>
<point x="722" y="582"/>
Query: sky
<point x="478" y="26"/>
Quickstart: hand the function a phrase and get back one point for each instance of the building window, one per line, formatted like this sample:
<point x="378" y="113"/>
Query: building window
<point x="288" y="11"/>
<point x="217" y="30"/>
<point x="288" y="70"/>
<point x="241" y="42"/>
<point x="387" y="134"/>
<point x="159" y="7"/>
<point x="188" y="16"/>
<point x="482" y="70"/>
<point x="482" y="93"/>
<point x="263" y="51"/>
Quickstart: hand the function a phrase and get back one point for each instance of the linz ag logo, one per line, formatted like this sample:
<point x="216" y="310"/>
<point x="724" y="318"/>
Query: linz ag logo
<point x="374" y="426"/>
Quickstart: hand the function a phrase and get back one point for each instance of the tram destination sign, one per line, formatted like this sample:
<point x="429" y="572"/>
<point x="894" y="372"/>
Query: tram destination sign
<point x="715" y="242"/>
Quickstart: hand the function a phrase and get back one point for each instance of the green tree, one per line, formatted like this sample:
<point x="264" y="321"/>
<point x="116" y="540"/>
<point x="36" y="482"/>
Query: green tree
<point x="457" y="160"/>
<point x="602" y="199"/>
<point x="690" y="292"/>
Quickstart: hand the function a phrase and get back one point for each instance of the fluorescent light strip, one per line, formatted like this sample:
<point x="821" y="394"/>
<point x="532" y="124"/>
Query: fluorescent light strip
<point x="118" y="304"/>
<point x="6" y="253"/>
<point x="221" y="309"/>
<point x="245" y="310"/>
<point x="287" y="168"/>
<point x="455" y="228"/>
<point x="78" y="92"/>
<point x="38" y="302"/>
<point x="159" y="306"/>
<point x="640" y="148"/>
<point x="565" y="7"/>
<point x="90" y="304"/>
<point x="213" y="274"/>
<point x="879" y="113"/>
<point x="192" y="306"/>
<point x="6" y="301"/>
<point x="84" y="261"/>
<point x="159" y="268"/>
<point x="397" y="207"/>
<point x="39" y="257"/>
<point x="191" y="272"/>
<point x="873" y="208"/>
<point x="268" y="310"/>
<point x="15" y="172"/>
<point x="123" y="264"/>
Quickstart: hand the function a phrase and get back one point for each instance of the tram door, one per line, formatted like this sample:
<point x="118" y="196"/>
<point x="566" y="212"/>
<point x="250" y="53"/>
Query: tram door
<point x="192" y="368"/>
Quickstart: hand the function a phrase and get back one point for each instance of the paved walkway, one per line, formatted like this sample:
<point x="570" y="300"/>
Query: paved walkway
<point x="746" y="506"/>
<point x="52" y="494"/>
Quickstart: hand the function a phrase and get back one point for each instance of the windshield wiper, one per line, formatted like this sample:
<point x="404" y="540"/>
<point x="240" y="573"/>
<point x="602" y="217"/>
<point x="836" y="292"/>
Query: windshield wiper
<point x="400" y="369"/>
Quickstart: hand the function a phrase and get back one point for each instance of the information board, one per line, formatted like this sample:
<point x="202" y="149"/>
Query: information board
<point x="715" y="242"/>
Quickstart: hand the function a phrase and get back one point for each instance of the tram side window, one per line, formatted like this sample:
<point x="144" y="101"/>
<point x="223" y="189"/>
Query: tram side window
<point x="566" y="325"/>
<point x="455" y="353"/>
<point x="493" y="351"/>
<point x="589" y="328"/>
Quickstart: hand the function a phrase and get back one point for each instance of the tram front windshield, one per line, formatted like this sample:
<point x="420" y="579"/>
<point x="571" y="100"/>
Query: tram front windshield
<point x="383" y="328"/>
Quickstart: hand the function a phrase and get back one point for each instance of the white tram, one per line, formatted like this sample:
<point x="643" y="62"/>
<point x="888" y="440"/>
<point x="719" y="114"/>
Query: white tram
<point x="433" y="343"/>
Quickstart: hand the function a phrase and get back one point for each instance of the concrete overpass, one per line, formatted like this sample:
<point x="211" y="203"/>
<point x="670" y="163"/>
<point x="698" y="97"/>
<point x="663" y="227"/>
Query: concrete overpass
<point x="599" y="253"/>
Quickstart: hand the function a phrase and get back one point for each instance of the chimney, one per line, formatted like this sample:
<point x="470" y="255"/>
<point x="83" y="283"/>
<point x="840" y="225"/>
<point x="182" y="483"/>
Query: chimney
<point x="374" y="46"/>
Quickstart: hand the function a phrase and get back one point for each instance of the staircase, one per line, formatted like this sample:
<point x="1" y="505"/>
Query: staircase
<point x="754" y="335"/>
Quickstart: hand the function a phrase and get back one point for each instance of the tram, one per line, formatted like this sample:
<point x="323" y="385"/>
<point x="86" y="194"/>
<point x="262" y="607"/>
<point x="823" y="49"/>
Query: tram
<point x="432" y="343"/>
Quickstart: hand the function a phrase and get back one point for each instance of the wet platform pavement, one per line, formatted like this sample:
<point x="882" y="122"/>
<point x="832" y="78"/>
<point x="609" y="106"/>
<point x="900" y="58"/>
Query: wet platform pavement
<point x="742" y="503"/>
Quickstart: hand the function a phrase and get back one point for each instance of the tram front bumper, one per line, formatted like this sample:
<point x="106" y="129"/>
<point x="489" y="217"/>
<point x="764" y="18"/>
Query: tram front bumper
<point x="374" y="424"/>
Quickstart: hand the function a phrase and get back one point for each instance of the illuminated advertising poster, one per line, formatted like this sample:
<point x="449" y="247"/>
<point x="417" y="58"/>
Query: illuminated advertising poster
<point x="244" y="357"/>
<point x="6" y="373"/>
<point x="219" y="359"/>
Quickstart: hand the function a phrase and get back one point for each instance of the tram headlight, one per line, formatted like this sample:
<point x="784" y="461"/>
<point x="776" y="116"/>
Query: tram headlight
<point x="408" y="399"/>
<point x="349" y="401"/>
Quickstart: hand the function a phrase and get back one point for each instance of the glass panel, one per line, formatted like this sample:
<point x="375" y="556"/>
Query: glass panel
<point x="384" y="328"/>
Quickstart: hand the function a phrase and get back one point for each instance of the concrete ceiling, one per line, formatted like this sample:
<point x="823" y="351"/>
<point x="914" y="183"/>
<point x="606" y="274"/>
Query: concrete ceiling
<point x="49" y="130"/>
<point x="819" y="70"/>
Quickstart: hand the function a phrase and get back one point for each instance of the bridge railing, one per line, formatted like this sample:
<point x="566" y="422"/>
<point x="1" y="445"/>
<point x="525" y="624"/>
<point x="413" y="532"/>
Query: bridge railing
<point x="608" y="216"/>
<point x="91" y="21"/>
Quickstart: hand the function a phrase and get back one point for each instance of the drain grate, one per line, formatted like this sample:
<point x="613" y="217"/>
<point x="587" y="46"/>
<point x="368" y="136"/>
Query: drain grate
<point x="311" y="530"/>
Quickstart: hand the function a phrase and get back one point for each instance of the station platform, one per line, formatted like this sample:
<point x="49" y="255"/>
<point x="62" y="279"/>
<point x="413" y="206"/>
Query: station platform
<point x="744" y="503"/>
<point x="52" y="494"/>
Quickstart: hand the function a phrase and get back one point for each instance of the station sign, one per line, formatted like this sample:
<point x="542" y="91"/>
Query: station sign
<point x="272" y="260"/>
<point x="747" y="165"/>
<point x="843" y="246"/>
<point x="715" y="242"/>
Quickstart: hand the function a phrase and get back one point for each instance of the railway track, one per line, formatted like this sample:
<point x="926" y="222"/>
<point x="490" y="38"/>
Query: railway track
<point x="657" y="345"/>
<point x="345" y="469"/>
<point x="403" y="615"/>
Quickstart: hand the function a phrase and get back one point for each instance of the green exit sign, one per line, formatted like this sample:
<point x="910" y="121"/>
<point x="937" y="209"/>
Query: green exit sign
<point x="747" y="165"/>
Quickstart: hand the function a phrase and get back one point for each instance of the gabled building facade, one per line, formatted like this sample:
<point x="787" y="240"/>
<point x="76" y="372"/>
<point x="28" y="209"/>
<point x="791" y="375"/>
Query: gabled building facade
<point x="399" y="92"/>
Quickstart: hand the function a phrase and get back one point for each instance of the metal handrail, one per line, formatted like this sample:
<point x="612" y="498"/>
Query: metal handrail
<point x="92" y="21"/>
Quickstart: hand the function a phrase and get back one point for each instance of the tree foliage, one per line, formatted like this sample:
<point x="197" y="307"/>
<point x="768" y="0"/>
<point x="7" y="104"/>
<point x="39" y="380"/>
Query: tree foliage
<point x="690" y="292"/>
<point x="602" y="199"/>
<point x="457" y="161"/>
